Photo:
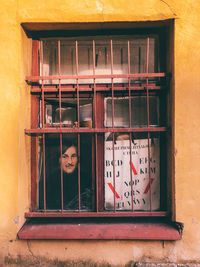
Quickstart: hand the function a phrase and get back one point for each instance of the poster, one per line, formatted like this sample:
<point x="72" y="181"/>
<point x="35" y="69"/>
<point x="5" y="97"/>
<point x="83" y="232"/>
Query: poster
<point x="135" y="191"/>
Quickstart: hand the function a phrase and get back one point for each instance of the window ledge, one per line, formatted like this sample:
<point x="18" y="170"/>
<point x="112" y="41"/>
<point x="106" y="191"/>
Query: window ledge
<point x="101" y="231"/>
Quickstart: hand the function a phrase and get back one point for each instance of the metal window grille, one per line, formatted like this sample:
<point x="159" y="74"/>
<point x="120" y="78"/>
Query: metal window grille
<point x="134" y="96"/>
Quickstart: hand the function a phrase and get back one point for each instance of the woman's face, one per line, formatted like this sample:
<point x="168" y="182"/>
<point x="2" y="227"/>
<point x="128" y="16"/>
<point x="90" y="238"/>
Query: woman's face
<point x="69" y="160"/>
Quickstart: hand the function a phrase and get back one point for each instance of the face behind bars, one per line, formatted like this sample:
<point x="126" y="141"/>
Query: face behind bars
<point x="69" y="160"/>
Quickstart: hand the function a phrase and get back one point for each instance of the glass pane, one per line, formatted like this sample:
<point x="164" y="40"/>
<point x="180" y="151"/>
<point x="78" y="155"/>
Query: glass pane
<point x="138" y="53"/>
<point x="85" y="60"/>
<point x="68" y="60"/>
<point x="131" y="192"/>
<point x="120" y="59"/>
<point x="138" y="111"/>
<point x="68" y="112"/>
<point x="61" y="173"/>
<point x="50" y="60"/>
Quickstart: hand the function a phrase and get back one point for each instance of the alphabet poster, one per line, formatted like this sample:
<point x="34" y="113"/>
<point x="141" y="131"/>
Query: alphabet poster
<point x="142" y="190"/>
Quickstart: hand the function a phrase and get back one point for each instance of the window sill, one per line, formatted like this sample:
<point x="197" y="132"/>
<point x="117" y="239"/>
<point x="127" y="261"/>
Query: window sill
<point x="114" y="230"/>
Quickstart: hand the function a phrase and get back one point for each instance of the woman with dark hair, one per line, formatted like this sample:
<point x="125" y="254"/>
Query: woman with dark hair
<point x="68" y="166"/>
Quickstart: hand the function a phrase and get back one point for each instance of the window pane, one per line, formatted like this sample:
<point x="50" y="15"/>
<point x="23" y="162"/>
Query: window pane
<point x="69" y="116"/>
<point x="138" y="58"/>
<point x="136" y="189"/>
<point x="138" y="111"/>
<point x="62" y="180"/>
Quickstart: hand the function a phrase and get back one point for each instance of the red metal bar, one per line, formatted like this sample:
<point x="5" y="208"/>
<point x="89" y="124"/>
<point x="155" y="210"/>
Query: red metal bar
<point x="94" y="58"/>
<point x="59" y="85"/>
<point x="95" y="125"/>
<point x="60" y="119"/>
<point x="113" y="136"/>
<point x="77" y="83"/>
<point x="90" y="88"/>
<point x="147" y="90"/>
<point x="96" y="76"/>
<point x="44" y="173"/>
<point x="79" y="182"/>
<point x="96" y="214"/>
<point x="130" y="119"/>
<point x="61" y="173"/>
<point x="42" y="87"/>
<point x="97" y="130"/>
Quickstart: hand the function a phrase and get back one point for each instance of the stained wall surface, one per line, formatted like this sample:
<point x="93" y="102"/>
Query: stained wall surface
<point x="15" y="58"/>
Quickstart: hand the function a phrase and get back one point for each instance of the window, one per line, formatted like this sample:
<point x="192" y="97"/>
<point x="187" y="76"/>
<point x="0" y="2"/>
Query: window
<point x="99" y="127"/>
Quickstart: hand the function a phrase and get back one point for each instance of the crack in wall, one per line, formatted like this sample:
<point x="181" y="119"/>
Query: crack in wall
<point x="169" y="7"/>
<point x="29" y="249"/>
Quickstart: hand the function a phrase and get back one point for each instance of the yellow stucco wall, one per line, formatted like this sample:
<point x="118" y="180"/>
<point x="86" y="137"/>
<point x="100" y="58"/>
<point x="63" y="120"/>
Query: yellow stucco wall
<point x="15" y="58"/>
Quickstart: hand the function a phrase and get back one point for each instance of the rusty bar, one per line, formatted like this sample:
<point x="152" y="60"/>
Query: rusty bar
<point x="79" y="182"/>
<point x="42" y="87"/>
<point x="94" y="58"/>
<point x="130" y="119"/>
<point x="97" y="180"/>
<point x="59" y="85"/>
<point x="147" y="90"/>
<point x="60" y="119"/>
<point x="95" y="214"/>
<point x="129" y="84"/>
<point x="77" y="83"/>
<point x="113" y="135"/>
<point x="43" y="123"/>
<point x="44" y="173"/>
<point x="95" y="125"/>
<point x="61" y="173"/>
<point x="100" y="88"/>
<point x="97" y="130"/>
<point x="98" y="76"/>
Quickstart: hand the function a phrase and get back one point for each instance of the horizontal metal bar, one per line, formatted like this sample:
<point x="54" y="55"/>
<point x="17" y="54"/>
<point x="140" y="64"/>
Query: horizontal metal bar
<point x="94" y="130"/>
<point x="51" y="89"/>
<point x="96" y="76"/>
<point x="95" y="214"/>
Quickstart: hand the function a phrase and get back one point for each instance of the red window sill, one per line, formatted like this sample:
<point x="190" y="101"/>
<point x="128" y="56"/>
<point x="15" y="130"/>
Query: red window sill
<point x="138" y="230"/>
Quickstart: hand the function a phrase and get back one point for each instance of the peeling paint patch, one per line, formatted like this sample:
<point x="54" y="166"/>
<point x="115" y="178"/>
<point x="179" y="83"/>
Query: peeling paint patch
<point x="99" y="5"/>
<point x="16" y="220"/>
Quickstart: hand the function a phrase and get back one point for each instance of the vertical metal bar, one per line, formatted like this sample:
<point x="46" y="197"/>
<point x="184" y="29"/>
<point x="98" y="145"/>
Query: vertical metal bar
<point x="129" y="84"/>
<point x="61" y="171"/>
<point x="44" y="173"/>
<point x="77" y="83"/>
<point x="95" y="115"/>
<point x="130" y="119"/>
<point x="79" y="180"/>
<point x="149" y="156"/>
<point x="42" y="71"/>
<point x="113" y="135"/>
<point x="95" y="125"/>
<point x="59" y="82"/>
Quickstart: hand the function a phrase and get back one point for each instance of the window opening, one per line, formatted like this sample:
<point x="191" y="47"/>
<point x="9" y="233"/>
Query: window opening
<point x="101" y="130"/>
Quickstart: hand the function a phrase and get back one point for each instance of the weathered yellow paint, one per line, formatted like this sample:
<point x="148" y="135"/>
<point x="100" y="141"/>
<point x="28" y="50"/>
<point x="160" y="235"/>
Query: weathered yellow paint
<point x="15" y="58"/>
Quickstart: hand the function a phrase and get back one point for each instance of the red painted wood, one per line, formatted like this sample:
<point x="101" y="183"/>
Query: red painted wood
<point x="51" y="214"/>
<point x="126" y="231"/>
